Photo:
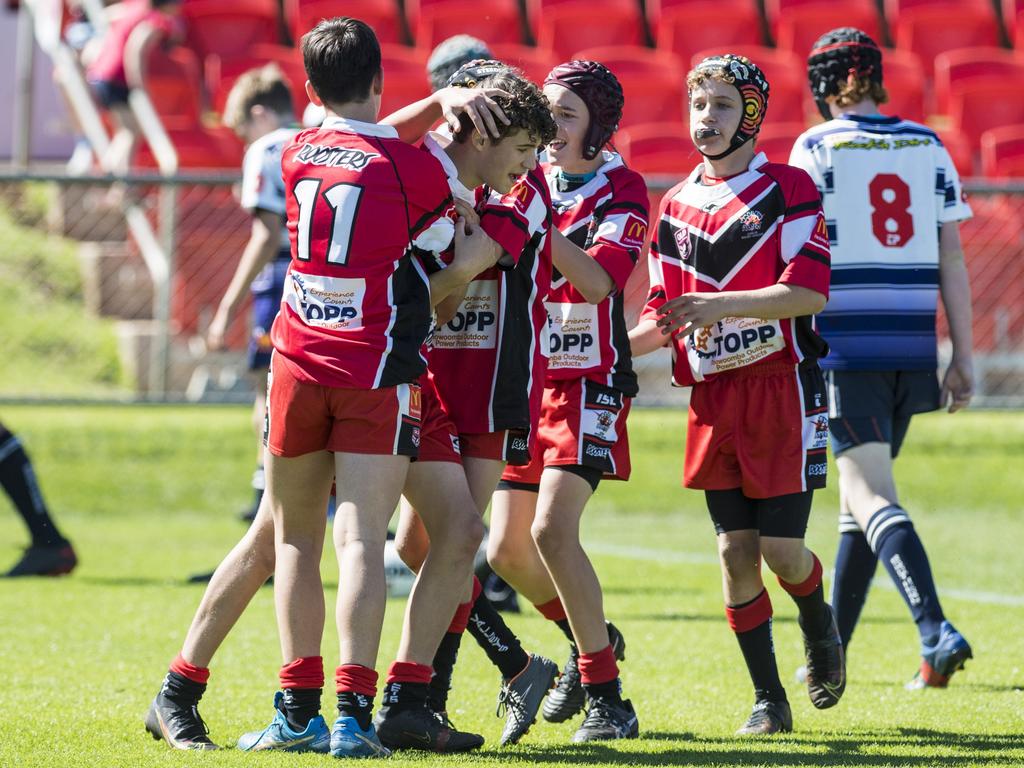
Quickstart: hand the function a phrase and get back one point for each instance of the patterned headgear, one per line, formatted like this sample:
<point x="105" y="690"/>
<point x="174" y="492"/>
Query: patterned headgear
<point x="835" y="58"/>
<point x="601" y="91"/>
<point x="749" y="80"/>
<point x="472" y="72"/>
<point x="451" y="54"/>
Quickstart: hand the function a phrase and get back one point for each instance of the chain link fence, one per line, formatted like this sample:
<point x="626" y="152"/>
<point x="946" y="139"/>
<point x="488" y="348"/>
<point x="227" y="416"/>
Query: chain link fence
<point x="107" y="287"/>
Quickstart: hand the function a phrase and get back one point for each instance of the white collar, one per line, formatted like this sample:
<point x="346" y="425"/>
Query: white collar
<point x="335" y="123"/>
<point x="435" y="142"/>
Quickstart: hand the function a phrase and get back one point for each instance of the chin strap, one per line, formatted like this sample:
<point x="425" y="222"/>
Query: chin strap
<point x="732" y="148"/>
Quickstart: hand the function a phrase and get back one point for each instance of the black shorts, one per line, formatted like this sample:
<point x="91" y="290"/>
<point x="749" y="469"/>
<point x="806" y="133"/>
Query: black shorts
<point x="782" y="516"/>
<point x="876" y="406"/>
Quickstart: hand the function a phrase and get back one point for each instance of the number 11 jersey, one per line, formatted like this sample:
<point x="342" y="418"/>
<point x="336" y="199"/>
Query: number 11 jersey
<point x="887" y="186"/>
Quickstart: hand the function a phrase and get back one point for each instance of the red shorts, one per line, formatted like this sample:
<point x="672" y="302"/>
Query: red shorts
<point x="302" y="417"/>
<point x="438" y="439"/>
<point x="582" y="423"/>
<point x="763" y="429"/>
<point x="508" y="445"/>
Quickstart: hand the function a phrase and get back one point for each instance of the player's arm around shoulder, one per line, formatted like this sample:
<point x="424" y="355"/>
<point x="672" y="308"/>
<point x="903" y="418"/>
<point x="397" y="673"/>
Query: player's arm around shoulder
<point x="955" y="290"/>
<point x="647" y="336"/>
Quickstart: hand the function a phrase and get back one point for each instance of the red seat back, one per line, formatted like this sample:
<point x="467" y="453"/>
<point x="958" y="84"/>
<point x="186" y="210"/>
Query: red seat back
<point x="405" y="77"/>
<point x="955" y="68"/>
<point x="776" y="140"/>
<point x="658" y="148"/>
<point x="229" y="29"/>
<point x="383" y="15"/>
<point x="1002" y="152"/>
<point x="683" y="30"/>
<point x="977" y="107"/>
<point x="493" y="23"/>
<point x="651" y="80"/>
<point x="929" y="31"/>
<point x="797" y="28"/>
<point x="173" y="83"/>
<point x="535" y="63"/>
<point x="570" y="27"/>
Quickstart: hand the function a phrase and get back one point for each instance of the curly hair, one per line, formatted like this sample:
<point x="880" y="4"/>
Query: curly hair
<point x="525" y="106"/>
<point x="855" y="91"/>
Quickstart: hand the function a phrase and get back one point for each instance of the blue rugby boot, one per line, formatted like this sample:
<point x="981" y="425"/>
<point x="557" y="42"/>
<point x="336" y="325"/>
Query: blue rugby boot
<point x="941" y="660"/>
<point x="280" y="736"/>
<point x="349" y="740"/>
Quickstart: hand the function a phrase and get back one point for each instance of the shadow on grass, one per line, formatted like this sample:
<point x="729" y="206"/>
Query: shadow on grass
<point x="868" y="748"/>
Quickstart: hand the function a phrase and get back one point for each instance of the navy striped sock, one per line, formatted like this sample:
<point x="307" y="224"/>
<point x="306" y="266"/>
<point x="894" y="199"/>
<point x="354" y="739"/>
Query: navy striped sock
<point x="855" y="567"/>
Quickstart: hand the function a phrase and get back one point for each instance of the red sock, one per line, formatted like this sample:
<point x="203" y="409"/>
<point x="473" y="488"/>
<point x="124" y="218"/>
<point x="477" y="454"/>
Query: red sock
<point x="409" y="672"/>
<point x="597" y="668"/>
<point x="750" y="616"/>
<point x="808" y="585"/>
<point x="307" y="672"/>
<point x="189" y="671"/>
<point x="461" y="618"/>
<point x="552" y="610"/>
<point x="356" y="678"/>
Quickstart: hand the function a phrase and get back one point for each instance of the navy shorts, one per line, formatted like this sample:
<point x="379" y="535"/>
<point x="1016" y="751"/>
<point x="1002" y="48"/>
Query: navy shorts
<point x="876" y="406"/>
<point x="108" y="93"/>
<point x="267" y="290"/>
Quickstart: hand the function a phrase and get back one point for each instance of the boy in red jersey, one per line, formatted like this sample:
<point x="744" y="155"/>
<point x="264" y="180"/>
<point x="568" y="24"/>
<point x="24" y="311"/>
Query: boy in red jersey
<point x="601" y="215"/>
<point x="486" y="362"/>
<point x="739" y="264"/>
<point x="364" y="211"/>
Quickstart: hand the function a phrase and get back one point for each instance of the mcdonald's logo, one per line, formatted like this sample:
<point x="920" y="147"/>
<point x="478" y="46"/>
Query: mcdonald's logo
<point x="634" y="231"/>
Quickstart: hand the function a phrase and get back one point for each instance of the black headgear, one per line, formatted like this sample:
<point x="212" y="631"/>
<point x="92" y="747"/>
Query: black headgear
<point x="601" y="91"/>
<point x="835" y="58"/>
<point x="749" y="80"/>
<point x="472" y="72"/>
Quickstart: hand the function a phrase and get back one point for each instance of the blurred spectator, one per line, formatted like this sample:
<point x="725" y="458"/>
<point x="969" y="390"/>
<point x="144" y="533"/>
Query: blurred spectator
<point x="115" y="63"/>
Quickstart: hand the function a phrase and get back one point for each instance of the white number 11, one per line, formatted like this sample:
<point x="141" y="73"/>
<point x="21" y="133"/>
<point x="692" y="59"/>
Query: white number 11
<point x="344" y="202"/>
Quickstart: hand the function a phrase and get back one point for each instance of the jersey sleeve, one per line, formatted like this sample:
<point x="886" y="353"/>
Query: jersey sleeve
<point x="623" y="229"/>
<point x="949" y="192"/>
<point x="804" y="236"/>
<point x="659" y="260"/>
<point x="431" y="213"/>
<point x="512" y="220"/>
<point x="262" y="184"/>
<point x="802" y="156"/>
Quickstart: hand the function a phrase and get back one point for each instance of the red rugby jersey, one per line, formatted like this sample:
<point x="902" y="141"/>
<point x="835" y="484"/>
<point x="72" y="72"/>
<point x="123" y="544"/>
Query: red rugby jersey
<point x="488" y="361"/>
<point x="364" y="211"/>
<point x="608" y="217"/>
<point x="750" y="231"/>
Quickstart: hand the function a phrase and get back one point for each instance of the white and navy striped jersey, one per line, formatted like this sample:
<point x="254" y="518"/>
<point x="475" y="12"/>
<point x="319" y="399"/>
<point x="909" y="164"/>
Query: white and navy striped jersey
<point x="262" y="182"/>
<point x="887" y="185"/>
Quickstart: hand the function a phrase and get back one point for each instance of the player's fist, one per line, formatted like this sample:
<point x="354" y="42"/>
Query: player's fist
<point x="958" y="385"/>
<point x="216" y="332"/>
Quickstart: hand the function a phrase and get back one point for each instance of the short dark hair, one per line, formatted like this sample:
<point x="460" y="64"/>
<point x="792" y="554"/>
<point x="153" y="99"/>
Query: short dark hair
<point x="525" y="107"/>
<point x="342" y="58"/>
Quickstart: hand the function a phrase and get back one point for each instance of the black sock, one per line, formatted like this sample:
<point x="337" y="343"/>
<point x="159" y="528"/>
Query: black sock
<point x="759" y="653"/>
<point x="610" y="691"/>
<point x="182" y="691"/>
<point x="352" y="704"/>
<point x="893" y="538"/>
<point x="19" y="480"/>
<point x="444" y="666"/>
<point x="563" y="624"/>
<point x="301" y="705"/>
<point x="405" y="695"/>
<point x="855" y="567"/>
<point x="498" y="641"/>
<point x="814" y="617"/>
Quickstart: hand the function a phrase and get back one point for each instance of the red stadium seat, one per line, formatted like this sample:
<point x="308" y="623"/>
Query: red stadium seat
<point x="777" y="10"/>
<point x="493" y="22"/>
<point x="966" y="65"/>
<point x="222" y="75"/>
<point x="798" y="27"/>
<point x="929" y="31"/>
<point x="536" y="63"/>
<point x="229" y="29"/>
<point x="1002" y="152"/>
<point x="197" y="147"/>
<point x="787" y="78"/>
<point x="383" y="15"/>
<point x="682" y="30"/>
<point x="567" y="28"/>
<point x="652" y="81"/>
<point x="655" y="10"/>
<point x="902" y="78"/>
<point x="658" y="148"/>
<point x="173" y="83"/>
<point x="1013" y="21"/>
<point x="960" y="151"/>
<point x="405" y="77"/>
<point x="776" y="140"/>
<point x="977" y="107"/>
<point x="895" y="9"/>
<point x="537" y="9"/>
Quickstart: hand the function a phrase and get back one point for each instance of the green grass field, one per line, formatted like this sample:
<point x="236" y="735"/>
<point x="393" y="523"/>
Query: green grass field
<point x="149" y="495"/>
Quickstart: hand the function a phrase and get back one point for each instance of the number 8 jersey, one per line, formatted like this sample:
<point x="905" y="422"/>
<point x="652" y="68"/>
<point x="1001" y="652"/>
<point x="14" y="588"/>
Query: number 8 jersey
<point x="365" y="211"/>
<point x="887" y="185"/>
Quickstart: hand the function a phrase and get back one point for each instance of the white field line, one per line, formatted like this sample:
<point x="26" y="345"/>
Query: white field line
<point x="693" y="558"/>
